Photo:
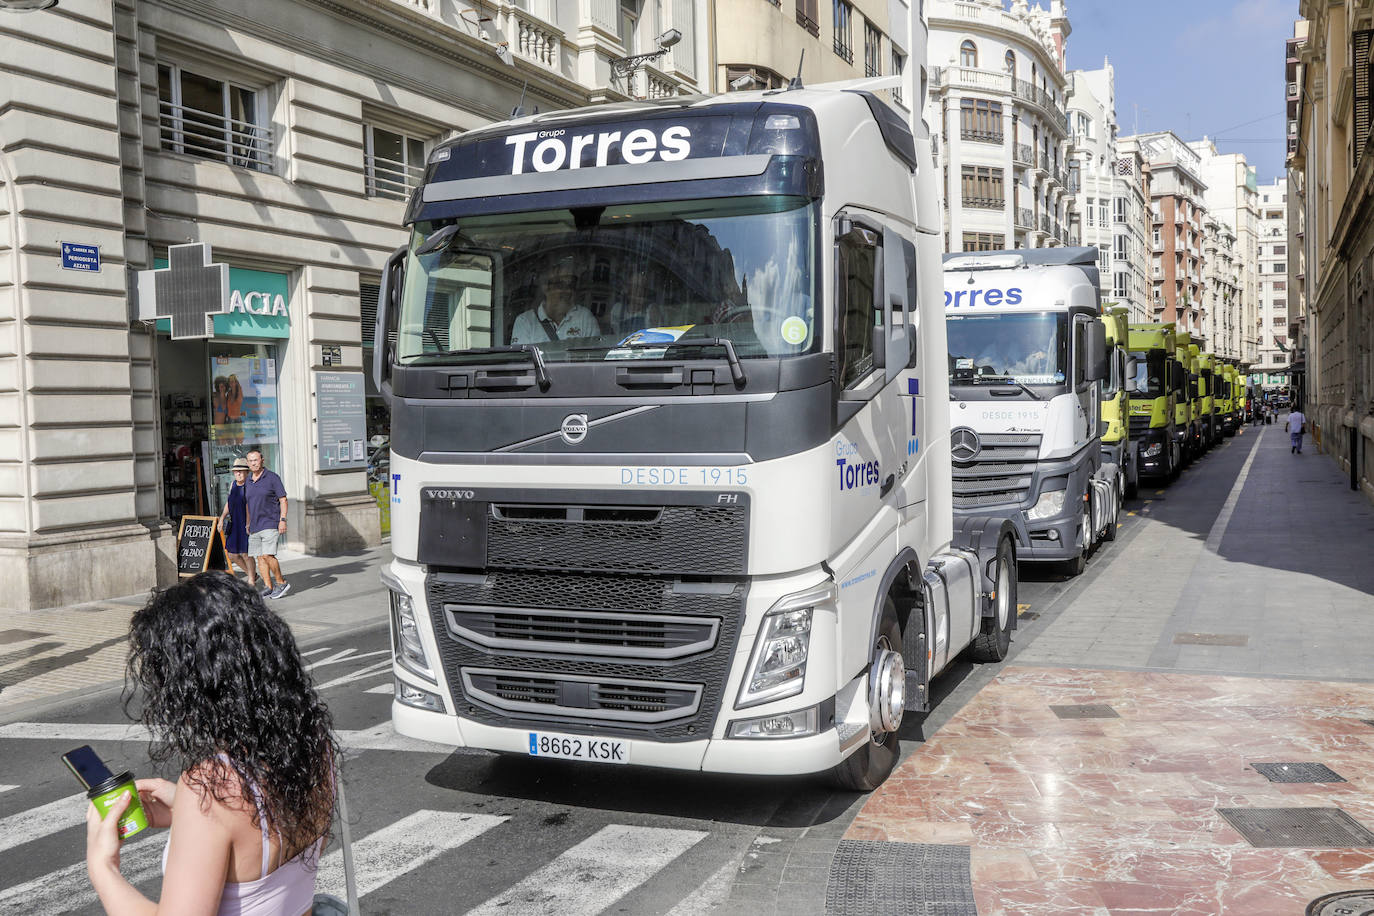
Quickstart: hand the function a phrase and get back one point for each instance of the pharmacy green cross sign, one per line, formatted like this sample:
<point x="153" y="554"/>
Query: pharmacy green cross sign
<point x="190" y="291"/>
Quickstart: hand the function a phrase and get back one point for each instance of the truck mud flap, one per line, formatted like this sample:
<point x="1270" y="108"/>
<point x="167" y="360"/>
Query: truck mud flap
<point x="981" y="534"/>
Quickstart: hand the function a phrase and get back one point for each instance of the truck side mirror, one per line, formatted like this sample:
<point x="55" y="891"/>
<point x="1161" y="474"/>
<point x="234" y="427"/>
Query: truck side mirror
<point x="393" y="273"/>
<point x="1095" y="359"/>
<point x="1130" y="376"/>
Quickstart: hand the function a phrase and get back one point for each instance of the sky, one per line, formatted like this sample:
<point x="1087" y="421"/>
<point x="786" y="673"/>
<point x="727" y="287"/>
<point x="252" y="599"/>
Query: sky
<point x="1198" y="67"/>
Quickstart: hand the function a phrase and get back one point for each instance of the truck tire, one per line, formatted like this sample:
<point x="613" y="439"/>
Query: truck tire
<point x="867" y="768"/>
<point x="1077" y="564"/>
<point x="994" y="641"/>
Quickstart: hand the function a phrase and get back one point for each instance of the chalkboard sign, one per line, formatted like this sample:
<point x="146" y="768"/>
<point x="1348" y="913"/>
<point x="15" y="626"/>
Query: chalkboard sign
<point x="200" y="545"/>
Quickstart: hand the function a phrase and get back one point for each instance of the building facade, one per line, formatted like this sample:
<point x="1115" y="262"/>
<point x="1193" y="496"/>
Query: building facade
<point x="996" y="110"/>
<point x="1297" y="218"/>
<point x="279" y="139"/>
<point x="1221" y="289"/>
<point x="1276" y="349"/>
<point x="1231" y="195"/>
<point x="1178" y="215"/>
<point x="1331" y="148"/>
<point x="1112" y="210"/>
<point x="761" y="44"/>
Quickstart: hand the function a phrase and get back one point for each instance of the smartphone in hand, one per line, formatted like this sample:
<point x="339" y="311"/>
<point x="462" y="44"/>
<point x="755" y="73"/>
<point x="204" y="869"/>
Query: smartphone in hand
<point x="87" y="766"/>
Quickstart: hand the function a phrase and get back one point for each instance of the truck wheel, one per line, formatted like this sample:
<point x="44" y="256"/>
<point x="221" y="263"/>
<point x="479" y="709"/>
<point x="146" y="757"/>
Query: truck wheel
<point x="867" y="768"/>
<point x="993" y="643"/>
<point x="1079" y="563"/>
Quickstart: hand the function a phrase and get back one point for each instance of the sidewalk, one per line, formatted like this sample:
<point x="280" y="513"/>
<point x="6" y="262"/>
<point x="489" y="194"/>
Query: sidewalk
<point x="1233" y="630"/>
<point x="49" y="656"/>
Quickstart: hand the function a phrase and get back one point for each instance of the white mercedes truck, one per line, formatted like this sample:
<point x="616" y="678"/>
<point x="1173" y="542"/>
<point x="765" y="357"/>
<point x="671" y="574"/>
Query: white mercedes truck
<point x="669" y="451"/>
<point x="1027" y="354"/>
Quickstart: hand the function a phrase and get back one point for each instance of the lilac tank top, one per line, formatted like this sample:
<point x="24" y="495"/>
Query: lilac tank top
<point x="288" y="891"/>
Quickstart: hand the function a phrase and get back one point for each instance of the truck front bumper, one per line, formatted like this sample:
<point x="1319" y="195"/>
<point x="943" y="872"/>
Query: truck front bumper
<point x="1152" y="452"/>
<point x="769" y="757"/>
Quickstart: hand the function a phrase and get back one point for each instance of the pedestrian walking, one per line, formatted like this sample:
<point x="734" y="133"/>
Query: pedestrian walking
<point x="226" y="697"/>
<point x="266" y="523"/>
<point x="233" y="521"/>
<point x="1296" y="426"/>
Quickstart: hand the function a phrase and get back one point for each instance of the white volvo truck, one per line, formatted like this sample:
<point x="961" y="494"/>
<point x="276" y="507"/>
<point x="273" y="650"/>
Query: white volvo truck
<point x="1027" y="354"/>
<point x="669" y="447"/>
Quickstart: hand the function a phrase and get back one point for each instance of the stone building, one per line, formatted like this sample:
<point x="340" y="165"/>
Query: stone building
<point x="1178" y="214"/>
<point x="1221" y="289"/>
<point x="284" y="137"/>
<point x="1276" y="348"/>
<point x="996" y="108"/>
<point x="1331" y="148"/>
<point x="1231" y="196"/>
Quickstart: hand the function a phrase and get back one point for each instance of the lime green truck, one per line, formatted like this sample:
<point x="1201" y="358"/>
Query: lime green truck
<point x="1117" y="442"/>
<point x="1154" y="398"/>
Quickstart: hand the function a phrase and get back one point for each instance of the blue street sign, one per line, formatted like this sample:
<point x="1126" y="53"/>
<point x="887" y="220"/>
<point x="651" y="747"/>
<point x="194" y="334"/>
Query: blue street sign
<point x="80" y="257"/>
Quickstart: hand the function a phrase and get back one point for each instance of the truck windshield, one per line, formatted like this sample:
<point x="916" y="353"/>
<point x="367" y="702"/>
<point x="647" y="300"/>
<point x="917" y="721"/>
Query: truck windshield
<point x="1026" y="347"/>
<point x="1149" y="373"/>
<point x="593" y="283"/>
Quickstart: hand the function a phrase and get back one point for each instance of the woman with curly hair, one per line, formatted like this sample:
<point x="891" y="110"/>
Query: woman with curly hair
<point x="226" y="697"/>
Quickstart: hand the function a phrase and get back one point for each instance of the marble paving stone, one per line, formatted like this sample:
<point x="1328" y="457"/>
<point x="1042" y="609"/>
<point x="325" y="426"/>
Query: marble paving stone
<point x="1122" y="816"/>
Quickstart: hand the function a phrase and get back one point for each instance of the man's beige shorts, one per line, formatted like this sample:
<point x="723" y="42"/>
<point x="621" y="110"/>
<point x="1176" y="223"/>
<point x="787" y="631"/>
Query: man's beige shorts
<point x="263" y="543"/>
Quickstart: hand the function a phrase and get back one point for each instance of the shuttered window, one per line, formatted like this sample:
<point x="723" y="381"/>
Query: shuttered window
<point x="1359" y="48"/>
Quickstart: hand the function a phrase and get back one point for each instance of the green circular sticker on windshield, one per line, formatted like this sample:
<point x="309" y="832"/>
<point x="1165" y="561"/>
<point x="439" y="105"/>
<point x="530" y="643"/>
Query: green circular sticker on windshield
<point x="794" y="330"/>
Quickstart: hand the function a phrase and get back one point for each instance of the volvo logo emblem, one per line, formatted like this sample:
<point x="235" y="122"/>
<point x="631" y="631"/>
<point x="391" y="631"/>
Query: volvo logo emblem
<point x="964" y="444"/>
<point x="574" y="428"/>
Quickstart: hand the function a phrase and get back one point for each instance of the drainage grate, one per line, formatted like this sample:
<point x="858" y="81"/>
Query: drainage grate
<point x="1342" y="903"/>
<point x="1310" y="828"/>
<point x="1296" y="772"/>
<point x="899" y="879"/>
<point x="1211" y="639"/>
<point x="1085" y="711"/>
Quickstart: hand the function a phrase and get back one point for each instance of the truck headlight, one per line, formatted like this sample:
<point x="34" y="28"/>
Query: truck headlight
<point x="777" y="668"/>
<point x="797" y="724"/>
<point x="1151" y="450"/>
<point x="1050" y="504"/>
<point x="410" y="695"/>
<point x="405" y="629"/>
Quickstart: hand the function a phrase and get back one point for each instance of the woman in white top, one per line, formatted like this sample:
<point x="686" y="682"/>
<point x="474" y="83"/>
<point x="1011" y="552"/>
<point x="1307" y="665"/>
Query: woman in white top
<point x="226" y="696"/>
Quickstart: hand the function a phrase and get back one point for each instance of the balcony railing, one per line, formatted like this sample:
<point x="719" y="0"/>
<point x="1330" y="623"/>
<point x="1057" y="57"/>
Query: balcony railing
<point x="533" y="39"/>
<point x="982" y="136"/>
<point x="1045" y="223"/>
<point x="214" y="136"/>
<point x="1025" y="218"/>
<point x="1292" y="92"/>
<point x="985" y="203"/>
<point x="843" y="49"/>
<point x="1032" y="93"/>
<point x="389" y="178"/>
<point x="1022" y="154"/>
<point x="808" y="23"/>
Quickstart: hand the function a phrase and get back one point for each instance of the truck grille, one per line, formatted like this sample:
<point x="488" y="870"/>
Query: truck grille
<point x="606" y="654"/>
<point x="1000" y="473"/>
<point x="1139" y="425"/>
<point x="579" y="697"/>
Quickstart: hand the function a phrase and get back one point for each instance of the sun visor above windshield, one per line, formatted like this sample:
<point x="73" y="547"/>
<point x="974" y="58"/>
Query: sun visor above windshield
<point x="620" y="148"/>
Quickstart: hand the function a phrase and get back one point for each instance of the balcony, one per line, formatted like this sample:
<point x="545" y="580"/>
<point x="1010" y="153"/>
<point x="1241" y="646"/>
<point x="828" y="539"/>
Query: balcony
<point x="808" y="23"/>
<point x="993" y="81"/>
<point x="985" y="203"/>
<point x="1292" y="92"/>
<point x="214" y="136"/>
<point x="1025" y="218"/>
<point x="1032" y="93"/>
<point x="981" y="136"/>
<point x="1045" y="224"/>
<point x="1022" y="154"/>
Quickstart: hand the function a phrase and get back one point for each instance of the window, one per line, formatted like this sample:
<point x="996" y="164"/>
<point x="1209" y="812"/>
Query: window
<point x="1280" y="268"/>
<point x="873" y="50"/>
<point x="393" y="163"/>
<point x="807" y="16"/>
<point x="629" y="25"/>
<point x="1281" y="284"/>
<point x="859" y="311"/>
<point x="980" y="119"/>
<point x="1102" y="212"/>
<point x="898" y="68"/>
<point x="212" y="118"/>
<point x="1119" y="209"/>
<point x="1280" y="249"/>
<point x="1279" y="321"/>
<point x="984" y="241"/>
<point x="968" y="54"/>
<point x="1121" y="282"/>
<point x="744" y="78"/>
<point x="1155" y="237"/>
<point x="844" y="30"/>
<point x="1119" y="248"/>
<point x="1084" y="126"/>
<point x="1090" y="211"/>
<point x="982" y="187"/>
<point x="1280" y="303"/>
<point x="1009" y="63"/>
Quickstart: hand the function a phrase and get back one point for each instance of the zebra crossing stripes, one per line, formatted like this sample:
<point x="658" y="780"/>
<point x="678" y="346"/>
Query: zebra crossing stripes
<point x="384" y="855"/>
<point x="36" y="823"/>
<point x="591" y="876"/>
<point x="68" y="889"/>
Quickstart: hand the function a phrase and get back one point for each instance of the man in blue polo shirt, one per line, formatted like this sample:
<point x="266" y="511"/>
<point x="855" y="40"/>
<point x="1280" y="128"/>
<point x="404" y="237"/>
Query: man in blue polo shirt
<point x="266" y="522"/>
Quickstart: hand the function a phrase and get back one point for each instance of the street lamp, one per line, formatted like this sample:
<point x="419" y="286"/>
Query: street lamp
<point x="26" y="6"/>
<point x="625" y="66"/>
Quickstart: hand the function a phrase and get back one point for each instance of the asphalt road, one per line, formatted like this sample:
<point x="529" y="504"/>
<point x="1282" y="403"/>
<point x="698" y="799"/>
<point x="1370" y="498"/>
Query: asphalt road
<point x="442" y="832"/>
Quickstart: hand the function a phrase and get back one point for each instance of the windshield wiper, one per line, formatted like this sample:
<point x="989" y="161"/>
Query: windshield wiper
<point x="736" y="368"/>
<point x="541" y="373"/>
<point x="1007" y="378"/>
